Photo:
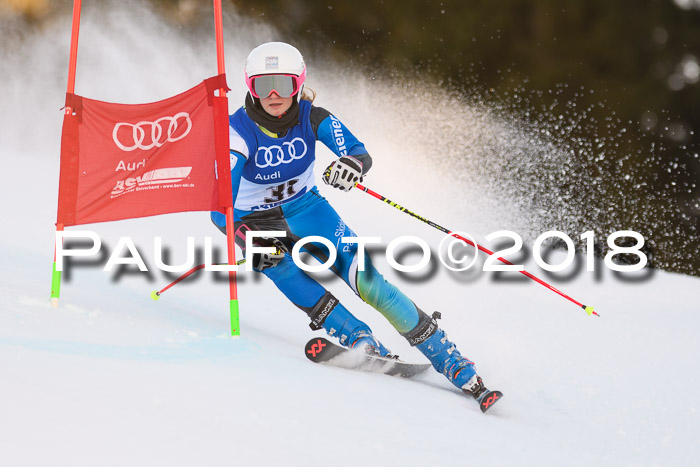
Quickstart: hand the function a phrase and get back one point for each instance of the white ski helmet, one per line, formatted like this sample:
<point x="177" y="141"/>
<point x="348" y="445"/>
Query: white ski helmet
<point x="275" y="58"/>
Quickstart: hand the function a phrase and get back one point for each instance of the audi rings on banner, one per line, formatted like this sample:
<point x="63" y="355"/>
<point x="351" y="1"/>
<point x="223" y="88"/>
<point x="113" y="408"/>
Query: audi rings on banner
<point x="158" y="137"/>
<point x="272" y="156"/>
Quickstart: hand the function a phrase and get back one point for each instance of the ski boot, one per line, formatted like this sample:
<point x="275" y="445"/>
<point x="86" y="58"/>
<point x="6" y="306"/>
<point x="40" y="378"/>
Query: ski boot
<point x="443" y="354"/>
<point x="352" y="333"/>
<point x="446" y="359"/>
<point x="362" y="339"/>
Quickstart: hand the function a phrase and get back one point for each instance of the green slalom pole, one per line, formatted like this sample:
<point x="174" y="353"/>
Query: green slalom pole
<point x="55" y="275"/>
<point x="70" y="89"/>
<point x="55" y="286"/>
<point x="235" y="319"/>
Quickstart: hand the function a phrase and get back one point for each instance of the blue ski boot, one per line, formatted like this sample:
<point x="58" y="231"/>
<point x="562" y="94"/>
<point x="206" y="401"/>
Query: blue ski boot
<point x="362" y="339"/>
<point x="332" y="316"/>
<point x="443" y="354"/>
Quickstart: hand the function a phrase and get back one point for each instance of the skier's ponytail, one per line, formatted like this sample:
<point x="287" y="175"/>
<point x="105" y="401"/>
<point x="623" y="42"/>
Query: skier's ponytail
<point x="308" y="94"/>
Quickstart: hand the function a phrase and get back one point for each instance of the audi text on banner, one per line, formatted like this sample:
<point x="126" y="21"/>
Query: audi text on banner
<point x="124" y="161"/>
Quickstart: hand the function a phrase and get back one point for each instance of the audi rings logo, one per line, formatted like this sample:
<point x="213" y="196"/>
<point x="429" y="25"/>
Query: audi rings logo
<point x="148" y="135"/>
<point x="272" y="156"/>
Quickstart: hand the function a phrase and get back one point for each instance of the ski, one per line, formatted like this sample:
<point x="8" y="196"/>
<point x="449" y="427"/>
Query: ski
<point x="488" y="399"/>
<point x="484" y="396"/>
<point x="321" y="350"/>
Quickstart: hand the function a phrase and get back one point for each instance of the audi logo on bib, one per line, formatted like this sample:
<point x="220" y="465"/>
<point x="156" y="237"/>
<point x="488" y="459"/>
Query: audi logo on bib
<point x="272" y="156"/>
<point x="148" y="135"/>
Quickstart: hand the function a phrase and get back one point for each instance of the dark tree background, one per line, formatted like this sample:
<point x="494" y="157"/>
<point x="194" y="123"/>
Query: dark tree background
<point x="638" y="57"/>
<point x="632" y="65"/>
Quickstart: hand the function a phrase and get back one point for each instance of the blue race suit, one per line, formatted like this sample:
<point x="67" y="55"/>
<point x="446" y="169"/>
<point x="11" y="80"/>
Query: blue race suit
<point x="273" y="180"/>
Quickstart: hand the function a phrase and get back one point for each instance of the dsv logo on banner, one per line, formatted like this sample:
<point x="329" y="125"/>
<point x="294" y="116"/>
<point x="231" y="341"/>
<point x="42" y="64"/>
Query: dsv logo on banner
<point x="272" y="156"/>
<point x="148" y="135"/>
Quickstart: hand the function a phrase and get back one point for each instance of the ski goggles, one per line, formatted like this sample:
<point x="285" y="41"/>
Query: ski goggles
<point x="284" y="85"/>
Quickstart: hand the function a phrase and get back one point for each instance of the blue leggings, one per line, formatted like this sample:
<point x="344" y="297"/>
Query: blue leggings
<point x="311" y="215"/>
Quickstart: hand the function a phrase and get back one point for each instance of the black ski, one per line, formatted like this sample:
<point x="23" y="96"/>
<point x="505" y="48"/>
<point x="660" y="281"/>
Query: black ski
<point x="488" y="399"/>
<point x="484" y="396"/>
<point x="321" y="350"/>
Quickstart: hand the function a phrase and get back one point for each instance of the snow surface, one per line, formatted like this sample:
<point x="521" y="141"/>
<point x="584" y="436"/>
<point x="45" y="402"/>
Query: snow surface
<point x="114" y="378"/>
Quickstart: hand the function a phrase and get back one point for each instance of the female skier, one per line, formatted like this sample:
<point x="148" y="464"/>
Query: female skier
<point x="273" y="138"/>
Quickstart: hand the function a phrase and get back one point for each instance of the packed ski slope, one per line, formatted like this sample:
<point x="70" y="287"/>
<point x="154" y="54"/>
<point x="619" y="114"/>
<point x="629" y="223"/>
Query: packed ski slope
<point x="111" y="377"/>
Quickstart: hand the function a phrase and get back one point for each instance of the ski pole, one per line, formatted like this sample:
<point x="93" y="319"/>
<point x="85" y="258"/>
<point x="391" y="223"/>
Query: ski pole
<point x="588" y="309"/>
<point x="155" y="295"/>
